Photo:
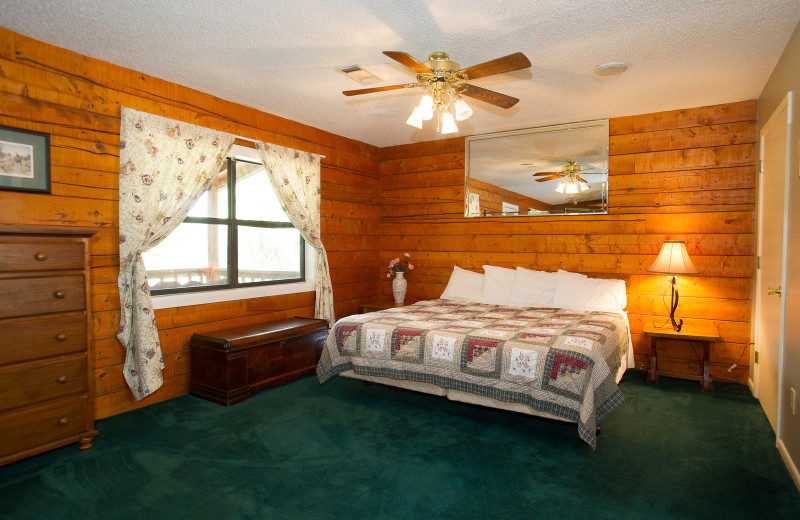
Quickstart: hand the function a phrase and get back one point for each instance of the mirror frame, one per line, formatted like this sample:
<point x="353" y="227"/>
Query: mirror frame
<point x="561" y="159"/>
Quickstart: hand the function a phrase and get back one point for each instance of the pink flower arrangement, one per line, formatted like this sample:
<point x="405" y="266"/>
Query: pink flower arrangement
<point x="399" y="266"/>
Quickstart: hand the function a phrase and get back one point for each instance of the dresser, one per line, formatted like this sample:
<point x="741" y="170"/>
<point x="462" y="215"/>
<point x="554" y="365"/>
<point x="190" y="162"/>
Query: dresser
<point x="45" y="366"/>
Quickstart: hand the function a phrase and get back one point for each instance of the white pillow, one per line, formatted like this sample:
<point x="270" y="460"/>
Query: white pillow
<point x="463" y="285"/>
<point x="497" y="284"/>
<point x="619" y="291"/>
<point x="573" y="292"/>
<point x="533" y="288"/>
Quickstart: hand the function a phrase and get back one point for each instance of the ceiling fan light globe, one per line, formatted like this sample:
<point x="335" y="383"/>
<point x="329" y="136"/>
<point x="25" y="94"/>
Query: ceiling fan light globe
<point x="448" y="124"/>
<point x="584" y="186"/>
<point x="463" y="111"/>
<point x="561" y="186"/>
<point x="425" y="108"/>
<point x="571" y="188"/>
<point x="415" y="120"/>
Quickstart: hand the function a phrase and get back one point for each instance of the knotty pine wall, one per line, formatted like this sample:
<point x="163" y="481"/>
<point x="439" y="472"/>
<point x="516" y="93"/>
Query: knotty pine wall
<point x="679" y="175"/>
<point x="77" y="101"/>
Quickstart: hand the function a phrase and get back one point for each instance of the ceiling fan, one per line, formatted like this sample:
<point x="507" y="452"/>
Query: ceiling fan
<point x="446" y="80"/>
<point x="570" y="171"/>
<point x="571" y="182"/>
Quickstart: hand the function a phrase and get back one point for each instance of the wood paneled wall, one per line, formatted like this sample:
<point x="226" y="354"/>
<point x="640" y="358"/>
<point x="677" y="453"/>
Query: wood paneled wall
<point x="686" y="175"/>
<point x="679" y="175"/>
<point x="77" y="101"/>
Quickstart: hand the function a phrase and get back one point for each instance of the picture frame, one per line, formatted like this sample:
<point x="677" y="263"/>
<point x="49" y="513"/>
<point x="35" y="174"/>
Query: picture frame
<point x="24" y="160"/>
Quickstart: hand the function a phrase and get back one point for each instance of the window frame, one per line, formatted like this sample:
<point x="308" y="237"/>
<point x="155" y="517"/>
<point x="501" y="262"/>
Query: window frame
<point x="233" y="224"/>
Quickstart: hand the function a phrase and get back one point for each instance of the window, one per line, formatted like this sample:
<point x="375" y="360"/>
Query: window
<point x="235" y="235"/>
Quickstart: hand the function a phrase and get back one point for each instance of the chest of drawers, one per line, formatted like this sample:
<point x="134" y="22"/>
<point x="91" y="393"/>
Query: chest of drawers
<point x="45" y="366"/>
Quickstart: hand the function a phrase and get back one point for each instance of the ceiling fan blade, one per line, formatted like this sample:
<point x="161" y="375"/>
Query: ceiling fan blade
<point x="508" y="63"/>
<point x="545" y="179"/>
<point x="546" y="173"/>
<point x="578" y="177"/>
<point x="489" y="96"/>
<point x="378" y="89"/>
<point x="407" y="60"/>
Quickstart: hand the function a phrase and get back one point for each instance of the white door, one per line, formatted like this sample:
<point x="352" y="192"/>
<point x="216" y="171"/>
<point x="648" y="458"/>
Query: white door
<point x="771" y="248"/>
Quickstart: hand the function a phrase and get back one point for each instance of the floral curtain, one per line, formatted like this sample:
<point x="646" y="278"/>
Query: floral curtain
<point x="295" y="176"/>
<point x="164" y="165"/>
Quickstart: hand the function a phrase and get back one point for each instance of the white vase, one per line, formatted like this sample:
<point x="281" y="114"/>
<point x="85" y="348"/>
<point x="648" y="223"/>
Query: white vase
<point x="399" y="288"/>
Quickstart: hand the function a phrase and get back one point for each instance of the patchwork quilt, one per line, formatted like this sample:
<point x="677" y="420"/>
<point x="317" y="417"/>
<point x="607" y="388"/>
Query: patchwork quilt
<point x="559" y="361"/>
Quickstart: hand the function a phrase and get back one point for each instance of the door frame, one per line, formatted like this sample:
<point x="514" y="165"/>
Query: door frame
<point x="786" y="104"/>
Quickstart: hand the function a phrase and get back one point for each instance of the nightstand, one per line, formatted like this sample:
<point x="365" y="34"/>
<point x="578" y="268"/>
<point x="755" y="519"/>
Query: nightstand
<point x="379" y="304"/>
<point x="703" y="334"/>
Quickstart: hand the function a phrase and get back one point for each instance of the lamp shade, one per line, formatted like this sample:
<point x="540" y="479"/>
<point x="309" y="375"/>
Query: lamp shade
<point x="572" y="188"/>
<point x="424" y="109"/>
<point x="673" y="259"/>
<point x="463" y="111"/>
<point x="415" y="119"/>
<point x="448" y="124"/>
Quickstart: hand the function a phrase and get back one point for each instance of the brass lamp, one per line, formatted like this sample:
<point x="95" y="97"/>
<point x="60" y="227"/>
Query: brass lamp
<point x="673" y="260"/>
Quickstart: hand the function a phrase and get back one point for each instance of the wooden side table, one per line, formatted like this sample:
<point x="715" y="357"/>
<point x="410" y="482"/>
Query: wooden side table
<point x="380" y="303"/>
<point x="703" y="334"/>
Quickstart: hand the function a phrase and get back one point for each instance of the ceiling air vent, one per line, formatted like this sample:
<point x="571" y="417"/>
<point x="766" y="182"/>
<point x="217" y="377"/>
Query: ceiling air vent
<point x="356" y="73"/>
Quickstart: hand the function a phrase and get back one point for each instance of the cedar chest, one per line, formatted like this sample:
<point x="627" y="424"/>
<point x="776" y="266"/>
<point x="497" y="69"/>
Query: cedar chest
<point x="228" y="366"/>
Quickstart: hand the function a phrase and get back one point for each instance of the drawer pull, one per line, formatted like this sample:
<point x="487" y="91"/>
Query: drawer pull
<point x="61" y="380"/>
<point x="61" y="337"/>
<point x="60" y="294"/>
<point x="63" y="422"/>
<point x="40" y="256"/>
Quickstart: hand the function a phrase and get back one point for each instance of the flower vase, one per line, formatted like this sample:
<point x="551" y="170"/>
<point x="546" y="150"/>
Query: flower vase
<point x="399" y="288"/>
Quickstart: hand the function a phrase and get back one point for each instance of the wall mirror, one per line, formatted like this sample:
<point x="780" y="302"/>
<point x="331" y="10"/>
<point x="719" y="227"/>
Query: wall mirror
<point x="550" y="170"/>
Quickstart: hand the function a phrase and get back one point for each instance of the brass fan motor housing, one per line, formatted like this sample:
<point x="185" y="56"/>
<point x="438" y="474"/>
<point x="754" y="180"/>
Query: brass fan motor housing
<point x="441" y="61"/>
<point x="571" y="167"/>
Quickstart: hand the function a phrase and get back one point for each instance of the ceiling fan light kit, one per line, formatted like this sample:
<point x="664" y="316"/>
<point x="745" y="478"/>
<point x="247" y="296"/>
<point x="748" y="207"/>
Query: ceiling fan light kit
<point x="446" y="80"/>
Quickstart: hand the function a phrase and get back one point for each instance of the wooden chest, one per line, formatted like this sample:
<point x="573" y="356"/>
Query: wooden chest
<point x="230" y="365"/>
<point x="45" y="366"/>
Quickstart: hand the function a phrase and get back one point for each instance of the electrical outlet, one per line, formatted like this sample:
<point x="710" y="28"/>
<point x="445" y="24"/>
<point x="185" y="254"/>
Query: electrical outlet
<point x="793" y="401"/>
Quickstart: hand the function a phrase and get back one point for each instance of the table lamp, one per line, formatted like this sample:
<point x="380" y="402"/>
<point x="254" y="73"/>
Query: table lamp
<point x="673" y="260"/>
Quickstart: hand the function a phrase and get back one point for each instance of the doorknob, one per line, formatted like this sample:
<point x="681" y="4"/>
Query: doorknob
<point x="772" y="290"/>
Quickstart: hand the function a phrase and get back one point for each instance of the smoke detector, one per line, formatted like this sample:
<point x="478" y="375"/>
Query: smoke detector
<point x="612" y="68"/>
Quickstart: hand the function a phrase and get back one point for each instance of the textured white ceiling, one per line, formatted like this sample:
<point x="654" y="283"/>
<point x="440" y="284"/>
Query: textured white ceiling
<point x="281" y="56"/>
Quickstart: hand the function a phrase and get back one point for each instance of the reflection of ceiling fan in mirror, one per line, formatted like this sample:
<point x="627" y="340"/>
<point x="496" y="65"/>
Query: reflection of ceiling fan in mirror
<point x="446" y="81"/>
<point x="571" y="181"/>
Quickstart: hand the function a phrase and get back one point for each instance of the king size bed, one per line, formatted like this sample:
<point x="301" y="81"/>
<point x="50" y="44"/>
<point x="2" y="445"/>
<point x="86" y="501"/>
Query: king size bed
<point x="491" y="341"/>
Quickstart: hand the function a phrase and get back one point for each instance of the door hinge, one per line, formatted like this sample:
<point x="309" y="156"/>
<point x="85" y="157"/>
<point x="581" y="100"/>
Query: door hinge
<point x="756" y="357"/>
<point x="760" y="166"/>
<point x="759" y="262"/>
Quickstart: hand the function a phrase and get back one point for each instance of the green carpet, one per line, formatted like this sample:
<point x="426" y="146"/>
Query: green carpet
<point x="351" y="450"/>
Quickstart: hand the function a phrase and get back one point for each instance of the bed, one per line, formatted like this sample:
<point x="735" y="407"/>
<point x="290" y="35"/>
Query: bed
<point x="491" y="341"/>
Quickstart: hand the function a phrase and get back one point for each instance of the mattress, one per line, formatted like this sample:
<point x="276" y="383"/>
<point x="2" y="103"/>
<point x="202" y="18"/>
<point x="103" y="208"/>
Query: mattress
<point x="558" y="363"/>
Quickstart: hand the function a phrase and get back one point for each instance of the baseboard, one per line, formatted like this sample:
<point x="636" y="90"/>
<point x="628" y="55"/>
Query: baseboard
<point x="752" y="386"/>
<point x="789" y="463"/>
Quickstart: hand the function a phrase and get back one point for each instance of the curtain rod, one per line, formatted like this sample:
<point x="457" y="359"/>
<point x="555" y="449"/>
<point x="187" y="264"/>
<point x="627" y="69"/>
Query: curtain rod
<point x="253" y="141"/>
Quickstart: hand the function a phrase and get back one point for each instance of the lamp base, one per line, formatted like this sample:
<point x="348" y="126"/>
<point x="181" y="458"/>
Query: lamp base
<point x="673" y="304"/>
<point x="676" y="326"/>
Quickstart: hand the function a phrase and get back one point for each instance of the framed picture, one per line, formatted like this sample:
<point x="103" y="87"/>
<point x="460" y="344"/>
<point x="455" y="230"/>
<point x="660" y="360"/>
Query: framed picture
<point x="24" y="160"/>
